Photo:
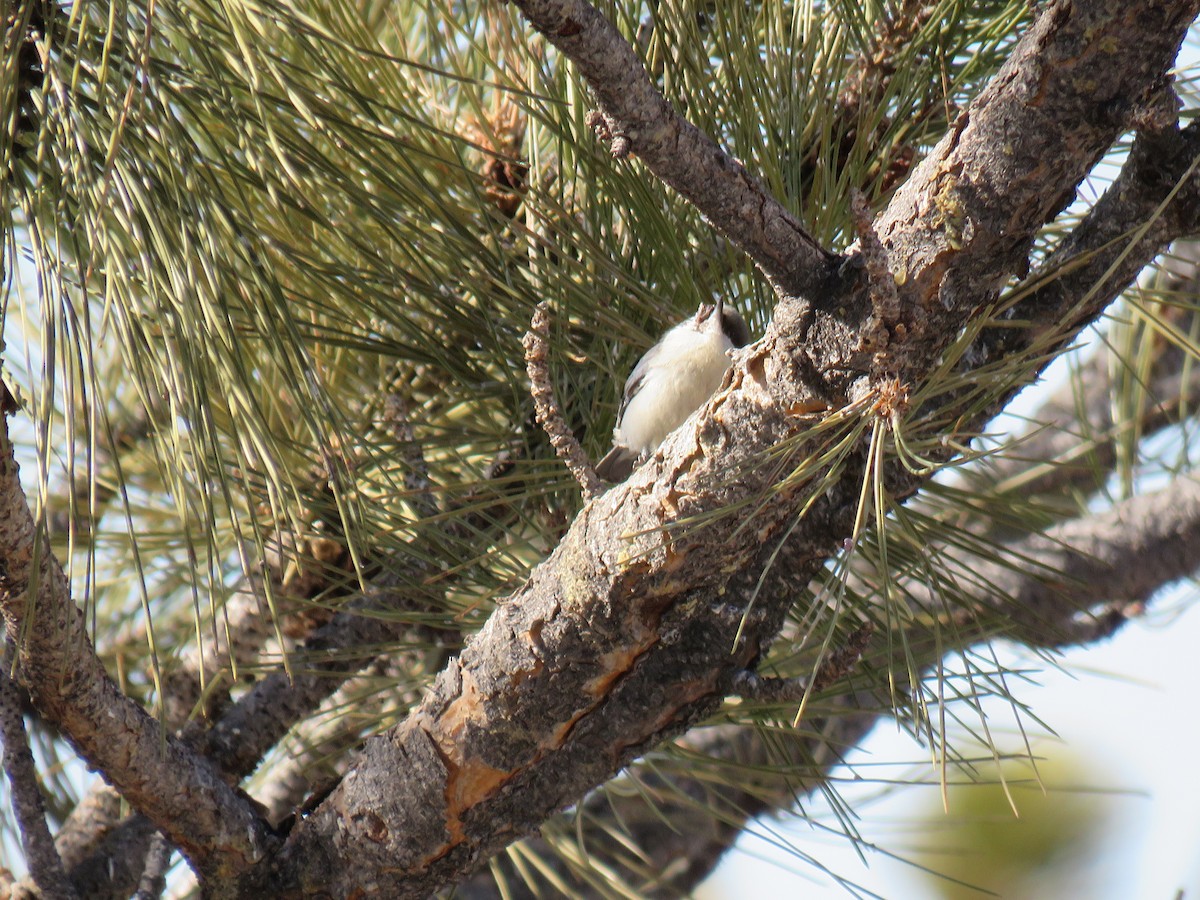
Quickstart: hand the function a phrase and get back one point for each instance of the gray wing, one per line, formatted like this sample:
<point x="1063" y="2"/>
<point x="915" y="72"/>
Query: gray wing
<point x="633" y="383"/>
<point x="618" y="463"/>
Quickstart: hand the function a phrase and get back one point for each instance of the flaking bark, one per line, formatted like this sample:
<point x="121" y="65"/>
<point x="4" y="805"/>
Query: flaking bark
<point x="621" y="638"/>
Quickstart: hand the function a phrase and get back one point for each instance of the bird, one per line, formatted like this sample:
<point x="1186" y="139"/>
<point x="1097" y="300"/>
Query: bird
<point x="671" y="382"/>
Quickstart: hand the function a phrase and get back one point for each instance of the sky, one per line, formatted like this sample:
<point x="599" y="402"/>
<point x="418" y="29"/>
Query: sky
<point x="1126" y="708"/>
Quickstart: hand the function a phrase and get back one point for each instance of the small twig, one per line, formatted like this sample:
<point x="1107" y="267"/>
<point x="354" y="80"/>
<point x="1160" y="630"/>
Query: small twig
<point x="153" y="882"/>
<point x="45" y="865"/>
<point x="549" y="413"/>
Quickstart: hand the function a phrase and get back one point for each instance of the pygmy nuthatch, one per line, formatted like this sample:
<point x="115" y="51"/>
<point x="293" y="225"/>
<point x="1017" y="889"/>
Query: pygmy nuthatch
<point x="670" y="383"/>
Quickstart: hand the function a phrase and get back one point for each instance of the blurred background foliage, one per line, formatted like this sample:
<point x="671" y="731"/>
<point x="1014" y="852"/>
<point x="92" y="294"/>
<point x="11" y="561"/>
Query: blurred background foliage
<point x="1031" y="835"/>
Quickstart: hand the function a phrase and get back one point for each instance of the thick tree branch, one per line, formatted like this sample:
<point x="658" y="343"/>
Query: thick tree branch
<point x="1056" y="613"/>
<point x="57" y="664"/>
<point x="675" y="150"/>
<point x="1154" y="200"/>
<point x="1077" y="444"/>
<point x="102" y="852"/>
<point x="616" y="642"/>
<point x="1110" y="563"/>
<point x="107" y="861"/>
<point x="1053" y="580"/>
<point x="964" y="223"/>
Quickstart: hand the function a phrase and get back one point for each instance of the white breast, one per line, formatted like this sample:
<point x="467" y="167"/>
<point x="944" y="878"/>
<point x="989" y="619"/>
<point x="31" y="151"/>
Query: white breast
<point x="677" y="376"/>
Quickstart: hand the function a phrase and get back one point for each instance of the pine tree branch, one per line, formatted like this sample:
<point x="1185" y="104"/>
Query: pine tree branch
<point x="57" y="664"/>
<point x="667" y="826"/>
<point x="1052" y="620"/>
<point x="108" y="854"/>
<point x="1154" y="200"/>
<point x="45" y="866"/>
<point x="1120" y="557"/>
<point x="965" y="221"/>
<point x="104" y="856"/>
<point x="1111" y="563"/>
<point x="260" y="718"/>
<point x="1077" y="444"/>
<point x="549" y="413"/>
<point x="639" y="120"/>
<point x="615" y="643"/>
<point x="832" y="519"/>
<point x="101" y="843"/>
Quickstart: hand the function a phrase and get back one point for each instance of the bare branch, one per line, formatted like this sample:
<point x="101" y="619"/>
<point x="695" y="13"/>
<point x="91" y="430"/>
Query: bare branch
<point x="1117" y="558"/>
<point x="45" y="866"/>
<point x="58" y="665"/>
<point x="1154" y="200"/>
<point x="323" y="746"/>
<point x="641" y="121"/>
<point x="549" y="413"/>
<point x="153" y="882"/>
<point x="615" y="643"/>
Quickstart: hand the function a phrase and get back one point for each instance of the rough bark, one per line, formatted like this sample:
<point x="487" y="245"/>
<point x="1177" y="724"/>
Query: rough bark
<point x="1076" y="583"/>
<point x="623" y="637"/>
<point x="615" y="642"/>
<point x="178" y="789"/>
<point x="639" y="120"/>
<point x="45" y="866"/>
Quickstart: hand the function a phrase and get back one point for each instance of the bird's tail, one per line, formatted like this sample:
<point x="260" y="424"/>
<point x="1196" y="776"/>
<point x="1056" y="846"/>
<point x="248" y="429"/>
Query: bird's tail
<point x="617" y="465"/>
